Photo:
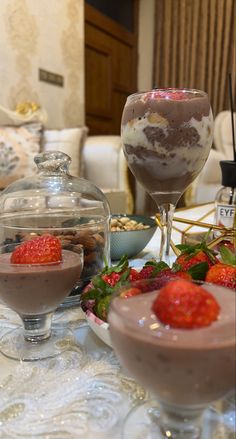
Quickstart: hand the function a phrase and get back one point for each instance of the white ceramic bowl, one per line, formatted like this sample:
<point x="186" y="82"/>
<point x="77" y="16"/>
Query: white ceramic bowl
<point x="131" y="242"/>
<point x="99" y="327"/>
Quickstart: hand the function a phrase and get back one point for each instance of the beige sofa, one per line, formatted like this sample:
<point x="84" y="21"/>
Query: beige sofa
<point x="99" y="159"/>
<point x="207" y="184"/>
<point x="105" y="165"/>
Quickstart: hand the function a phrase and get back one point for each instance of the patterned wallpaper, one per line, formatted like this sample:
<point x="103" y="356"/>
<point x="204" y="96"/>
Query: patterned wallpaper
<point x="48" y="35"/>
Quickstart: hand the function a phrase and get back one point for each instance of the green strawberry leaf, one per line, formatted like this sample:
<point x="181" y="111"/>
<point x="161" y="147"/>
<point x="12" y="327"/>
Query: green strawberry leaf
<point x="185" y="248"/>
<point x="158" y="265"/>
<point x="124" y="276"/>
<point x="101" y="307"/>
<point x="176" y="267"/>
<point x="121" y="266"/>
<point x="92" y="294"/>
<point x="227" y="256"/>
<point x="192" y="250"/>
<point x="198" y="271"/>
<point x="98" y="282"/>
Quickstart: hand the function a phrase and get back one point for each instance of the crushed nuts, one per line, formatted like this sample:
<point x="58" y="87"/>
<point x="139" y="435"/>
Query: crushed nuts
<point x="124" y="223"/>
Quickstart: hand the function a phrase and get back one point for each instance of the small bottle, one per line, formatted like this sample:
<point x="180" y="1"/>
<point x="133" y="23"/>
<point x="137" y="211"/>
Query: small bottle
<point x="225" y="201"/>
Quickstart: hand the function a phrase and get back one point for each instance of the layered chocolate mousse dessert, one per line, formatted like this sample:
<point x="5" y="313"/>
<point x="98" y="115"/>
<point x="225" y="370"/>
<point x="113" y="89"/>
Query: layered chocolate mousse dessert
<point x="188" y="366"/>
<point x="167" y="135"/>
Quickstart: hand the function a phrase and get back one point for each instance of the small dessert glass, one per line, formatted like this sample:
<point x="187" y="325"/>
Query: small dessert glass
<point x="167" y="136"/>
<point x="34" y="292"/>
<point x="185" y="370"/>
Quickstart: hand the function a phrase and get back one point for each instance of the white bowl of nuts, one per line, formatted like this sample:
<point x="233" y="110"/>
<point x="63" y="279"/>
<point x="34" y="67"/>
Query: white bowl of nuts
<point x="130" y="234"/>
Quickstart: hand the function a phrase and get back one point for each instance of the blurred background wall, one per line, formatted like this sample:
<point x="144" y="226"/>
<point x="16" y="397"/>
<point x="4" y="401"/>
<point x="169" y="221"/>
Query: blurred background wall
<point x="49" y="35"/>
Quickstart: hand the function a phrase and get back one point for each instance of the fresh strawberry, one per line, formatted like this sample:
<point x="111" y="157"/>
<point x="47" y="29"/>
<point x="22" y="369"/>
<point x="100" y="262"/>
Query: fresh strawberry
<point x="165" y="276"/>
<point x="129" y="292"/>
<point x="195" y="259"/>
<point x="96" y="296"/>
<point x="182" y="304"/>
<point x="222" y="274"/>
<point x="168" y="93"/>
<point x="111" y="278"/>
<point x="112" y="275"/>
<point x="146" y="272"/>
<point x="152" y="269"/>
<point x="176" y="95"/>
<point x="187" y="260"/>
<point x="133" y="275"/>
<point x="42" y="249"/>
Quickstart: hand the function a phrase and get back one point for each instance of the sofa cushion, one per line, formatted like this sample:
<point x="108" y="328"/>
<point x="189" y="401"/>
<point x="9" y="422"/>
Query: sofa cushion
<point x="18" y="146"/>
<point x="70" y="141"/>
<point x="102" y="157"/>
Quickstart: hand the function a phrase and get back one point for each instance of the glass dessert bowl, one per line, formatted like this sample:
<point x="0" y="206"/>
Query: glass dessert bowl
<point x="185" y="369"/>
<point x="167" y="136"/>
<point x="73" y="208"/>
<point x="34" y="290"/>
<point x="72" y="211"/>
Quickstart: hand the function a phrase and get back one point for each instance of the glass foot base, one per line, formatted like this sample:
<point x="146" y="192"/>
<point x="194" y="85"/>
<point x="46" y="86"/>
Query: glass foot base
<point x="13" y="345"/>
<point x="144" y="421"/>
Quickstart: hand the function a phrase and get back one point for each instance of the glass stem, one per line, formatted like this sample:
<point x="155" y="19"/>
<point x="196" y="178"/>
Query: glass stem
<point x="166" y="218"/>
<point x="37" y="327"/>
<point x="181" y="424"/>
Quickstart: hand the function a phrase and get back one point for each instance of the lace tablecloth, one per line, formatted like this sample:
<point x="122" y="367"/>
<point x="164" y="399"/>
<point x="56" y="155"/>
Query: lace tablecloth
<point x="75" y="395"/>
<point x="71" y="396"/>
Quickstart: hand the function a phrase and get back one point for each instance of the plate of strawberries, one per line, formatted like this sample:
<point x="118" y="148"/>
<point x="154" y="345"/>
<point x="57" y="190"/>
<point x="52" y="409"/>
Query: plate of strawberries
<point x="195" y="262"/>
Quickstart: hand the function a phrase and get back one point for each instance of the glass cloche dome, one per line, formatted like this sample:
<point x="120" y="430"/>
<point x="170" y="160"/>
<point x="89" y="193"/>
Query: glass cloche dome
<point x="52" y="201"/>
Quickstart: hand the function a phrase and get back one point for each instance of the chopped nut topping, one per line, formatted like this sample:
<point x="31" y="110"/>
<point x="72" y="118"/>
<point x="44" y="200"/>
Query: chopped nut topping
<point x="124" y="223"/>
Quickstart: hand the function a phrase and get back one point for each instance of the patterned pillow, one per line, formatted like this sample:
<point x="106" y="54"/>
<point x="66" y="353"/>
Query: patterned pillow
<point x="18" y="147"/>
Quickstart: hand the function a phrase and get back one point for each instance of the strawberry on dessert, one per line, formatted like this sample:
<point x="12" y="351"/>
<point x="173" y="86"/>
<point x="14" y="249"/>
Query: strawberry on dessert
<point x="37" y="276"/>
<point x="42" y="249"/>
<point x="182" y="304"/>
<point x="177" y="95"/>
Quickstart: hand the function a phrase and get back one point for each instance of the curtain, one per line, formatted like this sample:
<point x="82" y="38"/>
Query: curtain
<point x="195" y="46"/>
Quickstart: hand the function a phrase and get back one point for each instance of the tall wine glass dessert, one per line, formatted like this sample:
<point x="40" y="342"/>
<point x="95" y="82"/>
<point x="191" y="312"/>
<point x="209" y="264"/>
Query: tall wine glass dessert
<point x="167" y="136"/>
